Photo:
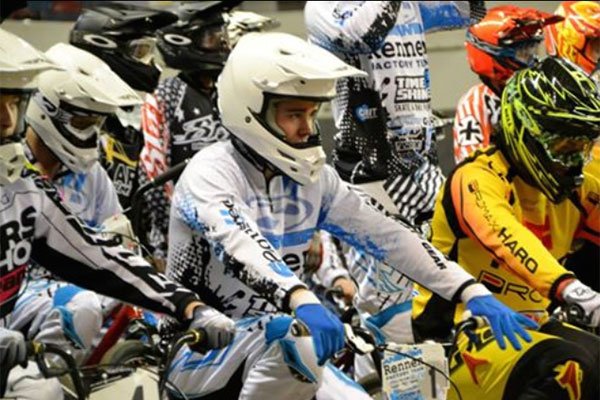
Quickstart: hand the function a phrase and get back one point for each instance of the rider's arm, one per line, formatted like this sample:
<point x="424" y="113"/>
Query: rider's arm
<point x="93" y="262"/>
<point x="447" y="15"/>
<point x="209" y="204"/>
<point x="153" y="156"/>
<point x="350" y="27"/>
<point x="153" y="162"/>
<point x="589" y="228"/>
<point x="347" y="216"/>
<point x="332" y="266"/>
<point x="106" y="196"/>
<point x="472" y="127"/>
<point x="482" y="204"/>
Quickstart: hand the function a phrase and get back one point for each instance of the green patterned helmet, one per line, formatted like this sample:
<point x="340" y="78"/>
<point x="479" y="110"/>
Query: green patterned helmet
<point x="550" y="119"/>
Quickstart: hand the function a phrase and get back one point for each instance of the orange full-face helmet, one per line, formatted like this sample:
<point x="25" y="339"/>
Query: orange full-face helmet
<point x="505" y="40"/>
<point x="577" y="38"/>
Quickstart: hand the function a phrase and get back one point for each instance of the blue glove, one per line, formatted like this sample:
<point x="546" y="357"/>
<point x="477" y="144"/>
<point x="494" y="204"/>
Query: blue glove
<point x="325" y="328"/>
<point x="502" y="320"/>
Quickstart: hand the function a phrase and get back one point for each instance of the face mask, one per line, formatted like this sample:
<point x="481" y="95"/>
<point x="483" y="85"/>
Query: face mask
<point x="12" y="162"/>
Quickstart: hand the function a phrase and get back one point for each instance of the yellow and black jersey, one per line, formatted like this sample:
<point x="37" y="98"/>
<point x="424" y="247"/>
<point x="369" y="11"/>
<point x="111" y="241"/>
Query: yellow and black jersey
<point x="593" y="167"/>
<point x="507" y="234"/>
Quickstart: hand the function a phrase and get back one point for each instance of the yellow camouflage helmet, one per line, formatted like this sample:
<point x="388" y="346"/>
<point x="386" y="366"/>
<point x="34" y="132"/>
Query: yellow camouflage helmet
<point x="550" y="117"/>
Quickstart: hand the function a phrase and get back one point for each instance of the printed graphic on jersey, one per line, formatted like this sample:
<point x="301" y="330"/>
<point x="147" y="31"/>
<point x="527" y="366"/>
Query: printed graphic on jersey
<point x="569" y="376"/>
<point x="497" y="284"/>
<point x="15" y="241"/>
<point x="199" y="132"/>
<point x="469" y="131"/>
<point x="472" y="363"/>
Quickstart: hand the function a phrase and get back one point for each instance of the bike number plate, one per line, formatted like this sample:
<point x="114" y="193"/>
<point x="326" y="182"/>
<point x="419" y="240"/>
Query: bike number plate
<point x="404" y="378"/>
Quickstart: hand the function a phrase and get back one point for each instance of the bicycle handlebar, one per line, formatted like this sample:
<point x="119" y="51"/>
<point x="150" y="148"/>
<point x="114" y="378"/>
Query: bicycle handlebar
<point x="37" y="351"/>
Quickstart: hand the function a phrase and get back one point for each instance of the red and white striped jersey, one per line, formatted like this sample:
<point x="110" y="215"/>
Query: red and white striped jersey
<point x="477" y="112"/>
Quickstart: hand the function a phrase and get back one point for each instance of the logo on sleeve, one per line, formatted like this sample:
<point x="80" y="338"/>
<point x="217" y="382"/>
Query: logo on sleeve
<point x="15" y="246"/>
<point x="569" y="377"/>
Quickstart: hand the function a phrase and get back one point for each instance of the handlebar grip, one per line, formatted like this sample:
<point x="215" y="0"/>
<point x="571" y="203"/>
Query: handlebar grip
<point x="475" y="323"/>
<point x="194" y="337"/>
<point x="169" y="174"/>
<point x="33" y="348"/>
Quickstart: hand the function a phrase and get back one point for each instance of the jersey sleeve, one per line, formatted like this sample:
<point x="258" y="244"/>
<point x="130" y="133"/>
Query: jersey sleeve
<point x="346" y="215"/>
<point x="209" y="205"/>
<point x="354" y="27"/>
<point x="332" y="264"/>
<point x="448" y="15"/>
<point x="153" y="156"/>
<point x="153" y="162"/>
<point x="589" y="228"/>
<point x="470" y="130"/>
<point x="96" y="263"/>
<point x="108" y="202"/>
<point x="481" y="202"/>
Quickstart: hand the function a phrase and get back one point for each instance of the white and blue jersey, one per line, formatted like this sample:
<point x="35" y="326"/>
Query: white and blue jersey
<point x="239" y="239"/>
<point x="50" y="309"/>
<point x="385" y="121"/>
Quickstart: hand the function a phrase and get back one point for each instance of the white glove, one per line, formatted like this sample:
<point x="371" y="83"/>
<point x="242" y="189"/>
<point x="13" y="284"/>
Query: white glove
<point x="218" y="327"/>
<point x="12" y="348"/>
<point x="582" y="295"/>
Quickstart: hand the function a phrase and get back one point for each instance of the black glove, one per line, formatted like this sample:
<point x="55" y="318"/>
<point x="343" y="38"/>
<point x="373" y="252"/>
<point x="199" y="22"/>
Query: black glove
<point x="218" y="327"/>
<point x="12" y="348"/>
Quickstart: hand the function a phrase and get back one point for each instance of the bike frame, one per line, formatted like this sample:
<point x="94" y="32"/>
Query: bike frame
<point x="122" y="316"/>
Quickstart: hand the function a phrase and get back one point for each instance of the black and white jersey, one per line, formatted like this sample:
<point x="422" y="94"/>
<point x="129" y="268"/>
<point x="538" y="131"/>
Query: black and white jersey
<point x="177" y="121"/>
<point x="35" y="225"/>
<point x="385" y="122"/>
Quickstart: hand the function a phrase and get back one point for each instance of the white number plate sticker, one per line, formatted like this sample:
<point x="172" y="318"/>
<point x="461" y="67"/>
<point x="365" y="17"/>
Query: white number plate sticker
<point x="405" y="378"/>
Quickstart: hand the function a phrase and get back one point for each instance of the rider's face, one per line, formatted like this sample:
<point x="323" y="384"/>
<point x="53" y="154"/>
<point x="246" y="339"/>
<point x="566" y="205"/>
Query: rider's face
<point x="9" y="111"/>
<point x="297" y="118"/>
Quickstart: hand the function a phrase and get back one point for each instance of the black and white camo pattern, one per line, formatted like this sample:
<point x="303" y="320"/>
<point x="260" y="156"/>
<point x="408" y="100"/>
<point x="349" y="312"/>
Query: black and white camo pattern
<point x="190" y="124"/>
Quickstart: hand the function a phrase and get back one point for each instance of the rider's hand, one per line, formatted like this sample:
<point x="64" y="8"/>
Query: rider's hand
<point x="12" y="348"/>
<point x="576" y="292"/>
<point x="502" y="320"/>
<point x="325" y="328"/>
<point x="219" y="328"/>
<point x="347" y="287"/>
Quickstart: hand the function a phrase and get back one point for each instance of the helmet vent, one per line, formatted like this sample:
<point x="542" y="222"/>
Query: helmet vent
<point x="287" y="156"/>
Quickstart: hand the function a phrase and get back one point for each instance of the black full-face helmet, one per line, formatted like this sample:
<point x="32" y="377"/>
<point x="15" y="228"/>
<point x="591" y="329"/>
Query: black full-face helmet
<point x="123" y="36"/>
<point x="198" y="41"/>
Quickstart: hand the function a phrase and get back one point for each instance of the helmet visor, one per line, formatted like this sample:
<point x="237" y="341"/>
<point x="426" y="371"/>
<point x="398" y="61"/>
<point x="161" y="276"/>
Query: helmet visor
<point x="213" y="39"/>
<point x="78" y="126"/>
<point x="568" y="151"/>
<point x="142" y="49"/>
<point x="528" y="52"/>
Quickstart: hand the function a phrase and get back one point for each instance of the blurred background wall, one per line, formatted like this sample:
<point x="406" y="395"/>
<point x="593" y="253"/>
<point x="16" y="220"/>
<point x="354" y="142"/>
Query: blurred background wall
<point x="51" y="21"/>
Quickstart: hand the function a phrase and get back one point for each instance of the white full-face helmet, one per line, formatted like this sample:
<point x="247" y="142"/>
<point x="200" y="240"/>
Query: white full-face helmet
<point x="263" y="69"/>
<point x="20" y="63"/>
<point x="70" y="107"/>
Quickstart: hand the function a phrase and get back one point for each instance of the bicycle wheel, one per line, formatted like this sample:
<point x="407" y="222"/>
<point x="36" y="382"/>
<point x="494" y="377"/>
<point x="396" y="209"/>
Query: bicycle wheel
<point x="128" y="352"/>
<point x="372" y="385"/>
